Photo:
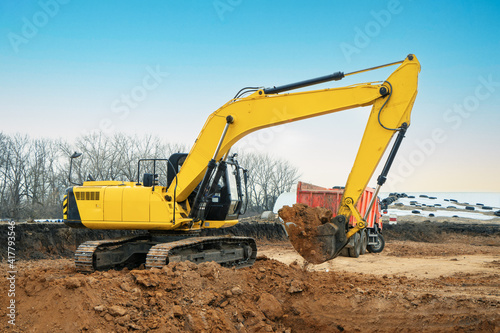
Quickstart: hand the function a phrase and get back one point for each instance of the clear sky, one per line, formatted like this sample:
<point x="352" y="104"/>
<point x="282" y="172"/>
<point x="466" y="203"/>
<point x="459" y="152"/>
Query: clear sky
<point x="161" y="67"/>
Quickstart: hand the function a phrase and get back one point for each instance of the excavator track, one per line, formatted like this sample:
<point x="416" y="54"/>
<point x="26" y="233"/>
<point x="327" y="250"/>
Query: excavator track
<point x="85" y="258"/>
<point x="228" y="251"/>
<point x="157" y="252"/>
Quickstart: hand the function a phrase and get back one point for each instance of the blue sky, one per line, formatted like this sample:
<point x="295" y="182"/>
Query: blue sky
<point x="66" y="65"/>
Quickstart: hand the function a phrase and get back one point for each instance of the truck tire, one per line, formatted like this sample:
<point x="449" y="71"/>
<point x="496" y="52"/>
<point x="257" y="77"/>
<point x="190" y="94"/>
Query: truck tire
<point x="377" y="248"/>
<point x="355" y="251"/>
<point x="364" y="241"/>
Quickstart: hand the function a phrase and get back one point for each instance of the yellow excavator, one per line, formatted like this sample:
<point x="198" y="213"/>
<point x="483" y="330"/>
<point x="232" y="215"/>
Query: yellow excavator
<point x="206" y="188"/>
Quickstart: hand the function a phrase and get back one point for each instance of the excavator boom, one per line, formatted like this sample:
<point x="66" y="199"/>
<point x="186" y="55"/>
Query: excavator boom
<point x="261" y="110"/>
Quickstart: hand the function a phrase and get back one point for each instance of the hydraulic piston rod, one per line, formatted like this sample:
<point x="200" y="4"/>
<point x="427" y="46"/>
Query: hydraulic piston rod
<point x="204" y="186"/>
<point x="322" y="79"/>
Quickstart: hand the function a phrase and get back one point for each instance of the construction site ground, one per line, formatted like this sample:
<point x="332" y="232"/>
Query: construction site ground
<point x="432" y="278"/>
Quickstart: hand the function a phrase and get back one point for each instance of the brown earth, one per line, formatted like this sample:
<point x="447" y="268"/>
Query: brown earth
<point x="430" y="277"/>
<point x="449" y="286"/>
<point x="301" y="223"/>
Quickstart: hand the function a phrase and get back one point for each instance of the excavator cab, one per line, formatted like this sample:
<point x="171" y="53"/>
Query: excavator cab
<point x="224" y="197"/>
<point x="223" y="194"/>
<point x="228" y="198"/>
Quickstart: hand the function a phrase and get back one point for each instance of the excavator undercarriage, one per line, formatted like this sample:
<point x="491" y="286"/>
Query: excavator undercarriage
<point x="153" y="250"/>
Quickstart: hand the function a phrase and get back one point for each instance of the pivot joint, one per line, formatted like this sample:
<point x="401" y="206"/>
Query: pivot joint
<point x="360" y="222"/>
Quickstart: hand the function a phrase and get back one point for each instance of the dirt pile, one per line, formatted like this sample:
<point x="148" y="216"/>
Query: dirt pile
<point x="180" y="297"/>
<point x="448" y="283"/>
<point x="268" y="297"/>
<point x="301" y="223"/>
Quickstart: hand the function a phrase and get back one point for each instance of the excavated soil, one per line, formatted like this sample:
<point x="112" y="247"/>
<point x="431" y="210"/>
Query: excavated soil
<point x="301" y="223"/>
<point x="444" y="283"/>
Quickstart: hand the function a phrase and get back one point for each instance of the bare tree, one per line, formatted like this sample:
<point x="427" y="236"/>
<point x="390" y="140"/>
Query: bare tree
<point x="284" y="177"/>
<point x="34" y="172"/>
<point x="116" y="157"/>
<point x="268" y="178"/>
<point x="15" y="174"/>
<point x="44" y="190"/>
<point x="5" y="151"/>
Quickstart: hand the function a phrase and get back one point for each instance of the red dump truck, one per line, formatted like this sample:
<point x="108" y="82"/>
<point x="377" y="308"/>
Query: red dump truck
<point x="370" y="239"/>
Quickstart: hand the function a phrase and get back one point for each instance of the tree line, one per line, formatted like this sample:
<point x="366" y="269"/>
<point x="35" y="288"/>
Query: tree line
<point x="34" y="171"/>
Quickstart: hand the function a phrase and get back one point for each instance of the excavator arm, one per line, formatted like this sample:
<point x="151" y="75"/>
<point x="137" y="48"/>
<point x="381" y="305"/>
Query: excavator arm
<point x="391" y="100"/>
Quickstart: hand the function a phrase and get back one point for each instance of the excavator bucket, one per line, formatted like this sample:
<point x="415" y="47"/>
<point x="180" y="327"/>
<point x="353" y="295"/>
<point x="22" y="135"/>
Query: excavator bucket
<point x="311" y="232"/>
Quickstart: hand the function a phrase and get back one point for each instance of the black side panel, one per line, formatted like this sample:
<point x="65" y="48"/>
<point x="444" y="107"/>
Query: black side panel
<point x="148" y="179"/>
<point x="176" y="160"/>
<point x="73" y="220"/>
<point x="217" y="211"/>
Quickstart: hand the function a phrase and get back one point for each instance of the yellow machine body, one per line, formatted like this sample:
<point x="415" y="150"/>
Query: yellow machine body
<point x="129" y="206"/>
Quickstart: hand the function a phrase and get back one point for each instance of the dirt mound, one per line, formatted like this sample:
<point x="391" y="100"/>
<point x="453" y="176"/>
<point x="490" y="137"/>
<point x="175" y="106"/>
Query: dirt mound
<point x="268" y="297"/>
<point x="301" y="223"/>
<point x="271" y="296"/>
<point x="180" y="297"/>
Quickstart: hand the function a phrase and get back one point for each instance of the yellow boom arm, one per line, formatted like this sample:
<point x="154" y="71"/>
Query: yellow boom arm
<point x="131" y="205"/>
<point x="392" y="103"/>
